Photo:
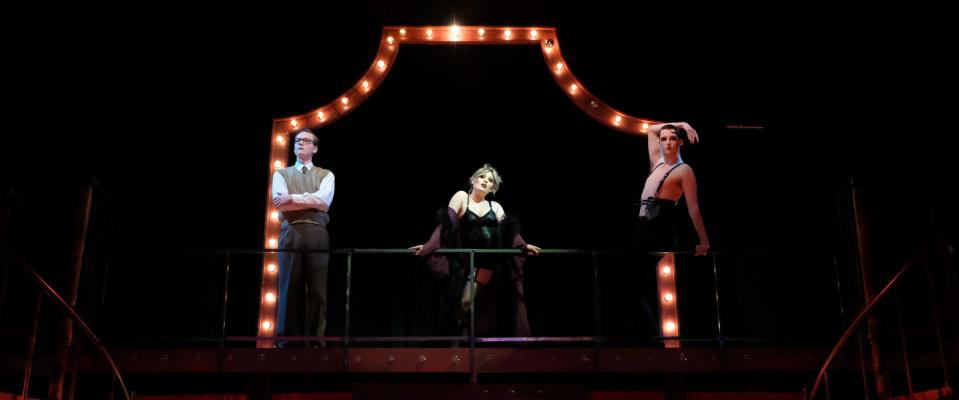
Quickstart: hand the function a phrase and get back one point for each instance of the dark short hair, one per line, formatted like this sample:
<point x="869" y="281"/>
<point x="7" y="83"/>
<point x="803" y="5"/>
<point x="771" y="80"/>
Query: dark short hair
<point x="316" y="139"/>
<point x="680" y="132"/>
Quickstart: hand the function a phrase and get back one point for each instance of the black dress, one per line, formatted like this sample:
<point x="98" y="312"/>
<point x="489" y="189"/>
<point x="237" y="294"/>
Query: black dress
<point x="500" y="310"/>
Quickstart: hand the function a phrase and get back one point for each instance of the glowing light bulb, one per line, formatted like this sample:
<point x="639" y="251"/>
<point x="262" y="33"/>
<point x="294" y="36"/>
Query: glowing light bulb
<point x="481" y="32"/>
<point x="278" y="164"/>
<point x="271" y="268"/>
<point x="618" y="120"/>
<point x="533" y="34"/>
<point x="668" y="297"/>
<point x="280" y="140"/>
<point x="667" y="270"/>
<point x="275" y="215"/>
<point x="559" y="67"/>
<point x="455" y="32"/>
<point x="381" y="65"/>
<point x="267" y="325"/>
<point x="294" y="123"/>
<point x="272" y="243"/>
<point x="321" y="115"/>
<point x="345" y="100"/>
<point x="366" y="85"/>
<point x="508" y="34"/>
<point x="402" y="32"/>
<point x="644" y="127"/>
<point x="429" y="33"/>
<point x="269" y="297"/>
<point x="670" y="327"/>
<point x="573" y="88"/>
<point x="390" y="40"/>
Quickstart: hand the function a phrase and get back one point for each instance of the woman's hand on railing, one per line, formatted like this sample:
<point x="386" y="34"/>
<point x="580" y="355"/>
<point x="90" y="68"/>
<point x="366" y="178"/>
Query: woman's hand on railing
<point x="532" y="250"/>
<point x="418" y="250"/>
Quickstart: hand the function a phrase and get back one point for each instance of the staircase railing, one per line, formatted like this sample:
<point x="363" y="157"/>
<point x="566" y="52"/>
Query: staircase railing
<point x="45" y="287"/>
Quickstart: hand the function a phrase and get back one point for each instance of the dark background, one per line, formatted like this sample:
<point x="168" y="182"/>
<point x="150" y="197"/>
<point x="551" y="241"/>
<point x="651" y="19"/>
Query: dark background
<point x="171" y="111"/>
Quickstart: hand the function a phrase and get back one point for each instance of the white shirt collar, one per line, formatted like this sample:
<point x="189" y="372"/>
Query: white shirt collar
<point x="300" y="165"/>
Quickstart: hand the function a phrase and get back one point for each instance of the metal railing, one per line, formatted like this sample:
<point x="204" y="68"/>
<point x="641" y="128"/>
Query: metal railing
<point x="228" y="256"/>
<point x="822" y="378"/>
<point x="44" y="288"/>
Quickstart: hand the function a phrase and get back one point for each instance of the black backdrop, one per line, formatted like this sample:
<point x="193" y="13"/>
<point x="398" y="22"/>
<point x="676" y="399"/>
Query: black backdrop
<point x="171" y="110"/>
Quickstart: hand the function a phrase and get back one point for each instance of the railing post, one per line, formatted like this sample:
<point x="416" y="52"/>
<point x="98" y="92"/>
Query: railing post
<point x="902" y="342"/>
<point x="32" y="346"/>
<point x="349" y="282"/>
<point x="825" y="378"/>
<point x="7" y="205"/>
<point x="864" y="249"/>
<point x="719" y="315"/>
<point x="937" y="255"/>
<point x="597" y="318"/>
<point x="63" y="335"/>
<point x="71" y="390"/>
<point x="221" y="343"/>
<point x="862" y="365"/>
<point x="113" y="386"/>
<point x="470" y="283"/>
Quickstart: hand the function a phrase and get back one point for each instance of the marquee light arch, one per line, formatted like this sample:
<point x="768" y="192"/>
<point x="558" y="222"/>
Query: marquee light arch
<point x="393" y="37"/>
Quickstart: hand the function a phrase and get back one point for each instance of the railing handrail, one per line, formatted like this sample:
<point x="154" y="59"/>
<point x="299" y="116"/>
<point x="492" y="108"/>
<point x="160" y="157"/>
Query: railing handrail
<point x="52" y="293"/>
<point x="858" y="321"/>
<point x="608" y="251"/>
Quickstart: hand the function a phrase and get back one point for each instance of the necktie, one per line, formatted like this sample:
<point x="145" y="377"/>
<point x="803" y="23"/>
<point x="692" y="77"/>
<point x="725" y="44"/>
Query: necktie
<point x="304" y="169"/>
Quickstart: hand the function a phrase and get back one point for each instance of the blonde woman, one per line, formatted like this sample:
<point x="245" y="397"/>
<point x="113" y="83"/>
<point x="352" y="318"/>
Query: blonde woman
<point x="473" y="220"/>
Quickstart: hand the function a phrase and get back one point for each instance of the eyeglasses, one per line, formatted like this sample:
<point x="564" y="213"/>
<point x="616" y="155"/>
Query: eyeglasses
<point x="304" y="140"/>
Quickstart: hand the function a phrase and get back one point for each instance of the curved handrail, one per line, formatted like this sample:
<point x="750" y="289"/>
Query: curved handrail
<point x="46" y="288"/>
<point x="855" y="325"/>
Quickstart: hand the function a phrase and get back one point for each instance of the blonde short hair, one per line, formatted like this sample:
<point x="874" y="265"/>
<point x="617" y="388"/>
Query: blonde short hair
<point x="497" y="180"/>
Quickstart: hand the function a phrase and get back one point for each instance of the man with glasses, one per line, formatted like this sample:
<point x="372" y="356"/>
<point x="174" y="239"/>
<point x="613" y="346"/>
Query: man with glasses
<point x="303" y="193"/>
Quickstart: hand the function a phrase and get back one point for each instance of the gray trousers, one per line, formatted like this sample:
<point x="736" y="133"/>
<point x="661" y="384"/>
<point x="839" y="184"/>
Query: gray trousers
<point x="301" y="309"/>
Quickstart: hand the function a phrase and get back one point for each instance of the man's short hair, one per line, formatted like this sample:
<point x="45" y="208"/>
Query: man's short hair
<point x="316" y="139"/>
<point x="680" y="132"/>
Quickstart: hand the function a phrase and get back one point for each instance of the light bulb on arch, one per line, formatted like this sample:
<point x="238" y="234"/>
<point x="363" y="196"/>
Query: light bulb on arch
<point x="670" y="326"/>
